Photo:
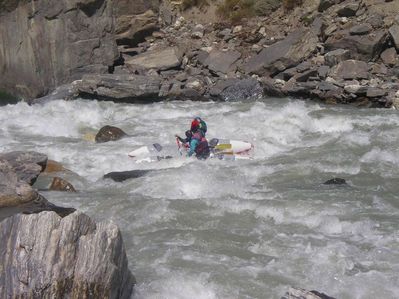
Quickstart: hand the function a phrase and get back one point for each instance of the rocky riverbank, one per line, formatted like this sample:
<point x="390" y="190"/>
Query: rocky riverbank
<point x="334" y="51"/>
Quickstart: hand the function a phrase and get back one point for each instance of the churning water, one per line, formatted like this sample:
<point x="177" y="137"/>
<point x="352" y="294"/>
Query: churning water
<point x="235" y="229"/>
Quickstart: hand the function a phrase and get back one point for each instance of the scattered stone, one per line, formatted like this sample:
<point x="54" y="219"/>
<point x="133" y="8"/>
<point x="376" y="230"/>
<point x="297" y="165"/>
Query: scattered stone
<point x="325" y="4"/>
<point x="330" y="29"/>
<point x="237" y="29"/>
<point x="125" y="175"/>
<point x="109" y="133"/>
<point x="349" y="10"/>
<point x="350" y="69"/>
<point x="198" y="31"/>
<point x="373" y="92"/>
<point x="390" y="57"/>
<point x="46" y="256"/>
<point x="356" y="89"/>
<point x="295" y="293"/>
<point x="394" y="32"/>
<point x="360" y="29"/>
<point x="335" y="181"/>
<point x="323" y="71"/>
<point x="334" y="57"/>
<point x="60" y="184"/>
<point x="289" y="52"/>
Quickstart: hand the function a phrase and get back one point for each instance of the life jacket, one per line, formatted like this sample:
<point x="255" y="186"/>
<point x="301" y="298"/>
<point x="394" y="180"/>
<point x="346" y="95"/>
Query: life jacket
<point x="202" y="150"/>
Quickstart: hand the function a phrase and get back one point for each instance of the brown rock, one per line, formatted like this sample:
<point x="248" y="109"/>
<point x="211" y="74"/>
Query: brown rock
<point x="60" y="184"/>
<point x="109" y="133"/>
<point x="53" y="166"/>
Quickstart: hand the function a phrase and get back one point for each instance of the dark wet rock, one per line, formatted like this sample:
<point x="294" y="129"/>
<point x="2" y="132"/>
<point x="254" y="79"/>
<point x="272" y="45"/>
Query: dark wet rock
<point x="326" y="4"/>
<point x="222" y="61"/>
<point x="109" y="133"/>
<point x="348" y="10"/>
<point x="334" y="57"/>
<point x="46" y="256"/>
<point x="289" y="52"/>
<point x="390" y="57"/>
<point x="120" y="88"/>
<point x="350" y="69"/>
<point x="394" y="32"/>
<point x="125" y="175"/>
<point x="163" y="59"/>
<point x="296" y="293"/>
<point x="59" y="184"/>
<point x="335" y="181"/>
<point x="361" y="29"/>
<point x="131" y="28"/>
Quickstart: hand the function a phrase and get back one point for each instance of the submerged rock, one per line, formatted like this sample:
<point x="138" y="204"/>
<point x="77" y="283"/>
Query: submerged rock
<point x="125" y="175"/>
<point x="335" y="181"/>
<point x="109" y="133"/>
<point x="295" y="293"/>
<point x="46" y="256"/>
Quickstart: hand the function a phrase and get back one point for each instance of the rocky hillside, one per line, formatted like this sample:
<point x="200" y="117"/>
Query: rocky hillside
<point x="331" y="50"/>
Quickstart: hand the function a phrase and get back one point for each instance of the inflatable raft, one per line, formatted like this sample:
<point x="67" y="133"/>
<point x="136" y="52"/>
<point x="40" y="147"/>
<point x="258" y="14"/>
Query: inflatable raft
<point x="219" y="148"/>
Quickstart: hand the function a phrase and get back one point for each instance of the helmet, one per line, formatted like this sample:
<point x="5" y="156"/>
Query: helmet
<point x="195" y="125"/>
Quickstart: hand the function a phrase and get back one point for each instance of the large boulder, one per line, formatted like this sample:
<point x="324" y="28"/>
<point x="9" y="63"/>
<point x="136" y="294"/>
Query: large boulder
<point x="236" y="90"/>
<point x="350" y="69"/>
<point x="120" y="88"/>
<point x="222" y="61"/>
<point x="26" y="165"/>
<point x="46" y="256"/>
<point x="364" y="47"/>
<point x="109" y="133"/>
<point x="162" y="59"/>
<point x="43" y="46"/>
<point x="289" y="52"/>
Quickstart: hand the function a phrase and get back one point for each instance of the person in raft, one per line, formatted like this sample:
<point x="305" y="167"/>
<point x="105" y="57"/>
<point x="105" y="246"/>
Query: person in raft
<point x="195" y="137"/>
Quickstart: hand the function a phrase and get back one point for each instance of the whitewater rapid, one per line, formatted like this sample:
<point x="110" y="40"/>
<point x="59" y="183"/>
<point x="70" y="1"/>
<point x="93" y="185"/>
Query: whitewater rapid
<point x="235" y="229"/>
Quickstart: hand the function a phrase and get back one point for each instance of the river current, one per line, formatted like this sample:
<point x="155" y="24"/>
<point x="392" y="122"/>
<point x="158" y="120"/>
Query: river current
<point x="234" y="229"/>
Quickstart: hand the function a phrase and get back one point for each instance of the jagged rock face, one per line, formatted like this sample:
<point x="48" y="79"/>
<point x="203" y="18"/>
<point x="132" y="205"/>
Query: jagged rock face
<point x="45" y="45"/>
<point x="46" y="256"/>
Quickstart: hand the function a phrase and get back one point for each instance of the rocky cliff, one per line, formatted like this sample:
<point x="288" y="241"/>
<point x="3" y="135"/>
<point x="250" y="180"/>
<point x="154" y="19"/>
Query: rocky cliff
<point x="44" y="45"/>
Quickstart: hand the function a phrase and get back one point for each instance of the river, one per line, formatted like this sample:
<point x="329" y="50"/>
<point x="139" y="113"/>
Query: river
<point x="235" y="229"/>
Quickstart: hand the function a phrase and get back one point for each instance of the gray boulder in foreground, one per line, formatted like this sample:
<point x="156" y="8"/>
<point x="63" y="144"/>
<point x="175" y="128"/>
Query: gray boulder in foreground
<point x="46" y="256"/>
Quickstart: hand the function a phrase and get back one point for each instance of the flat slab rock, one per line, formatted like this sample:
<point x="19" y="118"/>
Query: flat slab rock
<point x="120" y="88"/>
<point x="46" y="256"/>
